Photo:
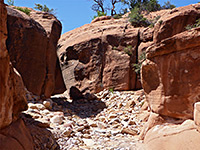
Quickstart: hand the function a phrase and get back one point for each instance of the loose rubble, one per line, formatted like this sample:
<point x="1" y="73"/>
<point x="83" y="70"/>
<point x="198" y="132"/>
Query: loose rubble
<point x="113" y="121"/>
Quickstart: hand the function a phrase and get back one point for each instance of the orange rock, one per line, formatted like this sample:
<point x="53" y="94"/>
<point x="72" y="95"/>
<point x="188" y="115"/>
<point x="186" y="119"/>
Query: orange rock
<point x="16" y="137"/>
<point x="12" y="92"/>
<point x="175" y="21"/>
<point x="100" y="55"/>
<point x="170" y="74"/>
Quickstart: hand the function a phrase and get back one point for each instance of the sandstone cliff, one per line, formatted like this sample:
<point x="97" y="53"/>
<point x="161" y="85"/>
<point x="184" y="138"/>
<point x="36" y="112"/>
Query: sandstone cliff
<point x="32" y="42"/>
<point x="170" y="79"/>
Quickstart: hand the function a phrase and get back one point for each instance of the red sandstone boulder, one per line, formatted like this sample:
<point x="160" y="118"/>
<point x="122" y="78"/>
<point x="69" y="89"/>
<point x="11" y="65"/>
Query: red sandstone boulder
<point x="13" y="133"/>
<point x="12" y="91"/>
<point x="16" y="137"/>
<point x="175" y="21"/>
<point x="100" y="55"/>
<point x="170" y="76"/>
<point x="32" y="42"/>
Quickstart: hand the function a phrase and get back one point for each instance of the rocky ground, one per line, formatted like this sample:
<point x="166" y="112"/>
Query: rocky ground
<point x="112" y="121"/>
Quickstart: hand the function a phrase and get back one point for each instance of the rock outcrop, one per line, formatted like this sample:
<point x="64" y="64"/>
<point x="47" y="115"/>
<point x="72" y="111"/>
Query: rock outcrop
<point x="13" y="133"/>
<point x="170" y="79"/>
<point x="32" y="42"/>
<point x="100" y="55"/>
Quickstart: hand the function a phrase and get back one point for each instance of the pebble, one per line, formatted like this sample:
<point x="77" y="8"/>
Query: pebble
<point x="67" y="132"/>
<point x="57" y="119"/>
<point x="47" y="104"/>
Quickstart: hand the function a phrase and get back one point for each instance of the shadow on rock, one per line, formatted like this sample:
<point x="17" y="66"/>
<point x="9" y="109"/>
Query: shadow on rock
<point x="84" y="106"/>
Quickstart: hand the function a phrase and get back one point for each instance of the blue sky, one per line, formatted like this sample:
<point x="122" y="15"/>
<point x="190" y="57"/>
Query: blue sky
<point x="75" y="13"/>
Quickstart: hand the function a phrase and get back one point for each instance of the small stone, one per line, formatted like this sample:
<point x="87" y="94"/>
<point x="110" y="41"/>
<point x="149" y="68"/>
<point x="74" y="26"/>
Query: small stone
<point x="101" y="125"/>
<point x="129" y="131"/>
<point x="35" y="116"/>
<point x="57" y="119"/>
<point x="32" y="106"/>
<point x="45" y="112"/>
<point x="112" y="116"/>
<point x="47" y="104"/>
<point x="43" y="124"/>
<point x="131" y="122"/>
<point x="67" y="132"/>
<point x="89" y="142"/>
<point x="92" y="123"/>
<point x="130" y="104"/>
<point x="79" y="129"/>
<point x="102" y="118"/>
<point x="87" y="136"/>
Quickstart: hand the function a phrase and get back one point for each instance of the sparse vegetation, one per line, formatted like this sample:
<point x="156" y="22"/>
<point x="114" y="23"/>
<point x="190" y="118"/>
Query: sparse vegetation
<point x="25" y="10"/>
<point x="111" y="90"/>
<point x="128" y="50"/>
<point x="43" y="8"/>
<point x="161" y="21"/>
<point x="115" y="48"/>
<point x="117" y="16"/>
<point x="154" y="21"/>
<point x="141" y="59"/>
<point x="168" y="5"/>
<point x="137" y="19"/>
<point x="99" y="14"/>
<point x="196" y="24"/>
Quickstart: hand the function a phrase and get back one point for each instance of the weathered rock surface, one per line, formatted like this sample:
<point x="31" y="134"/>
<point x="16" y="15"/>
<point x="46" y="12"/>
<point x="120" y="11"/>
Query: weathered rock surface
<point x="170" y="75"/>
<point x="175" y="21"/>
<point x="170" y="79"/>
<point x="12" y="92"/>
<point x="173" y="137"/>
<point x="32" y="42"/>
<point x="100" y="55"/>
<point x="16" y="137"/>
<point x="13" y="133"/>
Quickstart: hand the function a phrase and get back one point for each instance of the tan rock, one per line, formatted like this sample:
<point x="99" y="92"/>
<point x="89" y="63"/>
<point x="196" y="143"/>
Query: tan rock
<point x="197" y="114"/>
<point x="173" y="137"/>
<point x="129" y="131"/>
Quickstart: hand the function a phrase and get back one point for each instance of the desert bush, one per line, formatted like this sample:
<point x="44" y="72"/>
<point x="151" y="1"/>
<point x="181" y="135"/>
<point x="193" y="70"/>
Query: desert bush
<point x="154" y="21"/>
<point x="25" y="10"/>
<point x="128" y="50"/>
<point x="137" y="19"/>
<point x="168" y="5"/>
<point x="137" y="66"/>
<point x="196" y="24"/>
<point x="99" y="14"/>
<point x="117" y="16"/>
<point x="43" y="8"/>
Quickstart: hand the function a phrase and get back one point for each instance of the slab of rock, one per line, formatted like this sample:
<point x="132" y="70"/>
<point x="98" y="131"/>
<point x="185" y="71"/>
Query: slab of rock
<point x="174" y="137"/>
<point x="170" y="75"/>
<point x="32" y="42"/>
<point x="175" y="21"/>
<point x="12" y="92"/>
